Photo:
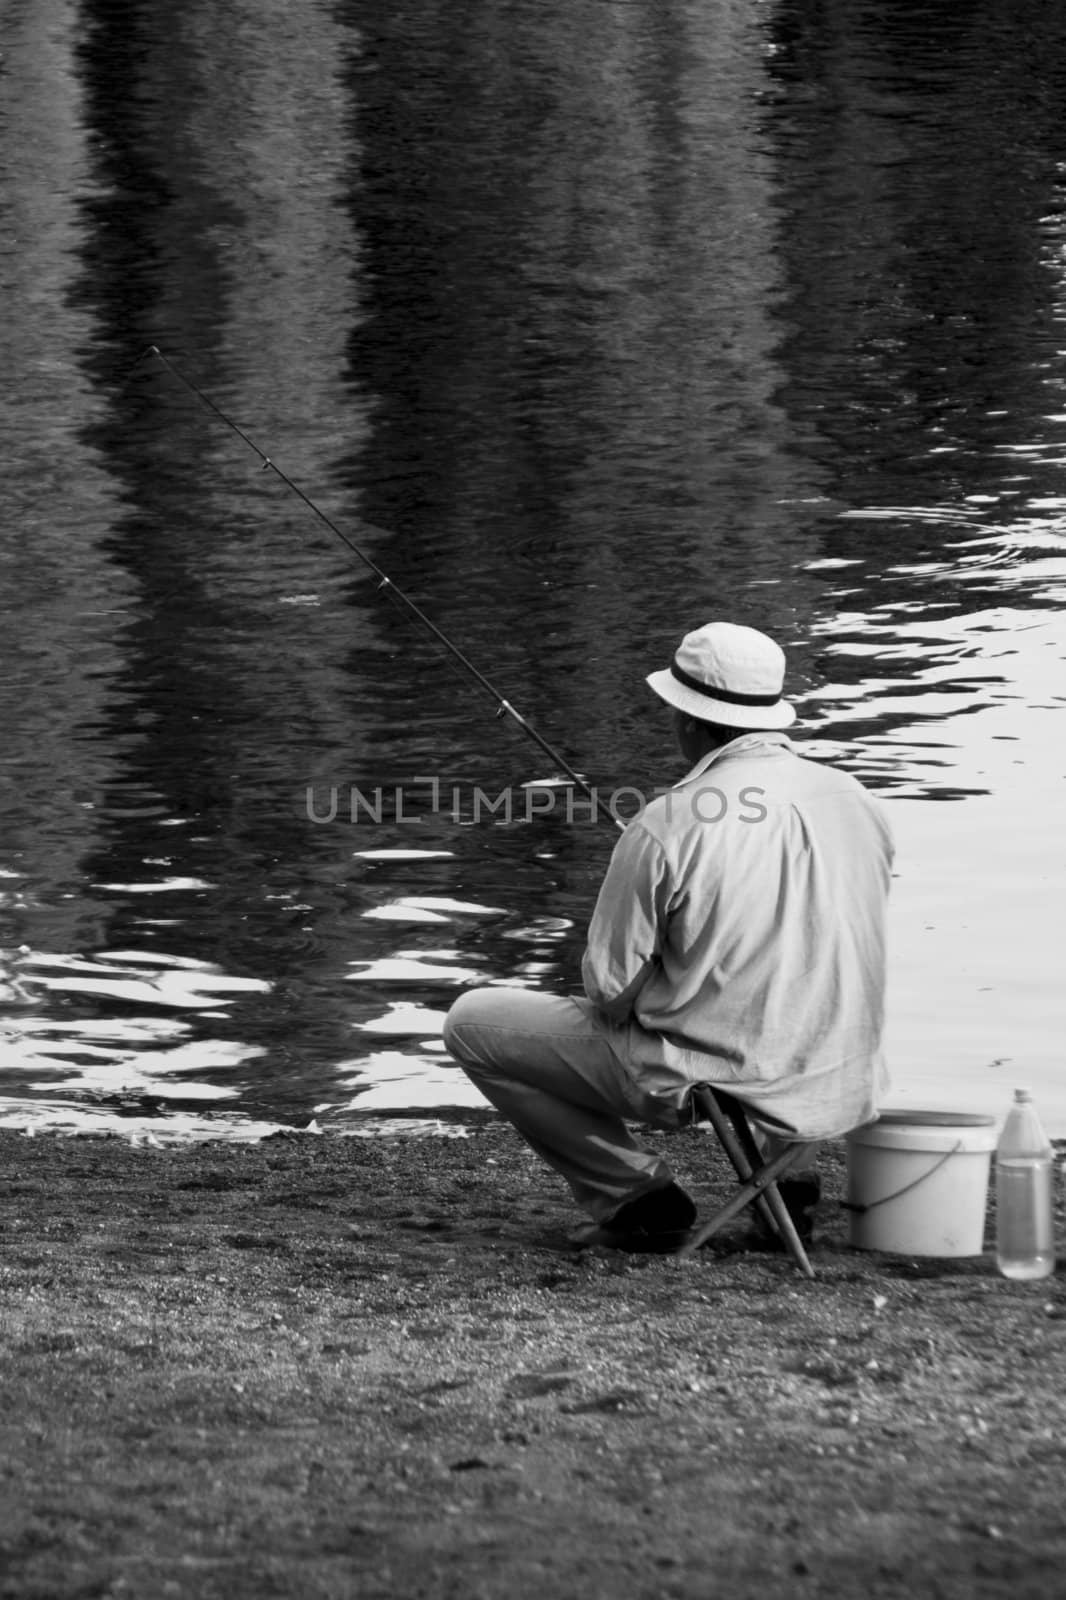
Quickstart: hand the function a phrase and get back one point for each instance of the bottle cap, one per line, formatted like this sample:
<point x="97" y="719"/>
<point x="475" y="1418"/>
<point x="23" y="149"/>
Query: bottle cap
<point x="1022" y="1095"/>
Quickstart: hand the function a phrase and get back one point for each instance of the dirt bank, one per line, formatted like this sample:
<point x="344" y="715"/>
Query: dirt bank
<point x="371" y="1367"/>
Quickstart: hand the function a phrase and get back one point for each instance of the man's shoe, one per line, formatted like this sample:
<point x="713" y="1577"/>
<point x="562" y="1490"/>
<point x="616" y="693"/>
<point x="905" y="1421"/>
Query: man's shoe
<point x="657" y="1222"/>
<point x="667" y="1209"/>
<point x="801" y="1194"/>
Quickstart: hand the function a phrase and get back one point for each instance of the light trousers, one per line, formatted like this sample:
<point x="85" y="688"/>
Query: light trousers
<point x="556" y="1068"/>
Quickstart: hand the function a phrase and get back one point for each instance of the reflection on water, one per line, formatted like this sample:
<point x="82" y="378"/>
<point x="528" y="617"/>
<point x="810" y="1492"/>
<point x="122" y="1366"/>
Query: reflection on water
<point x="116" y="1068"/>
<point x="587" y="323"/>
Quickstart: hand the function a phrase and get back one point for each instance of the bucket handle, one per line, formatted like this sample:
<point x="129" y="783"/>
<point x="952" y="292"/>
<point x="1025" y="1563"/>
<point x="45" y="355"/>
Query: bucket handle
<point x="907" y="1187"/>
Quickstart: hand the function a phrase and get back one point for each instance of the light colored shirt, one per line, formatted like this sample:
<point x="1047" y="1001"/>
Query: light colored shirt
<point x="739" y="937"/>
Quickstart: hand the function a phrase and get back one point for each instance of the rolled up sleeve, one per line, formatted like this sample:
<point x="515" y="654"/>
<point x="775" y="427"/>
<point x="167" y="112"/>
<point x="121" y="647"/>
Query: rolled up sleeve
<point x="628" y="924"/>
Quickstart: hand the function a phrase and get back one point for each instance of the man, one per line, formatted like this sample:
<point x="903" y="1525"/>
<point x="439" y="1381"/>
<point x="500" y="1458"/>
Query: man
<point x="737" y="941"/>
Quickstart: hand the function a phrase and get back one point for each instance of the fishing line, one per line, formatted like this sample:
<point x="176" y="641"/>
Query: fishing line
<point x="504" y="706"/>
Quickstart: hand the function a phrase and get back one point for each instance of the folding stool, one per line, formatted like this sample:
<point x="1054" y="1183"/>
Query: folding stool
<point x="757" y="1176"/>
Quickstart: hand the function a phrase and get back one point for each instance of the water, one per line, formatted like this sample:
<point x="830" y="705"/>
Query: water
<point x="1025" y="1238"/>
<point x="587" y="322"/>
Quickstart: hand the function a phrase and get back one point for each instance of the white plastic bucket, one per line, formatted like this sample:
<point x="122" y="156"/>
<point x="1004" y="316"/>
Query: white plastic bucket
<point x="918" y="1182"/>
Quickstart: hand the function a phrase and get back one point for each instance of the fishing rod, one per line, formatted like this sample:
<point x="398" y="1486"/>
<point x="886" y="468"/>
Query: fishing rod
<point x="503" y="705"/>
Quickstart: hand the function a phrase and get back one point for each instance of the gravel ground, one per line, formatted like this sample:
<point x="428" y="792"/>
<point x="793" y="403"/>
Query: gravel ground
<point x="323" y="1366"/>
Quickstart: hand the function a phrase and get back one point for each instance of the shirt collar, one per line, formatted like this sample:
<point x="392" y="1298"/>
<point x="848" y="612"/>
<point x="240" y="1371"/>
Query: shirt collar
<point x="746" y="742"/>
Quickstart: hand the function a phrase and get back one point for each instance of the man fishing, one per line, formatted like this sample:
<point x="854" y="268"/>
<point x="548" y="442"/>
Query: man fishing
<point x="737" y="941"/>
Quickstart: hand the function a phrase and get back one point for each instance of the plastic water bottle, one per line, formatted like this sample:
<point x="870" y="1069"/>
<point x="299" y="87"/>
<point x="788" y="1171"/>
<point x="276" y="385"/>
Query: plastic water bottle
<point x="1025" y="1236"/>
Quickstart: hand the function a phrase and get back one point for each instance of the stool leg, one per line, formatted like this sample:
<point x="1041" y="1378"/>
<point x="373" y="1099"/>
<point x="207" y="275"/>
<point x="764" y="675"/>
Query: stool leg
<point x="758" y="1178"/>
<point x="760" y="1188"/>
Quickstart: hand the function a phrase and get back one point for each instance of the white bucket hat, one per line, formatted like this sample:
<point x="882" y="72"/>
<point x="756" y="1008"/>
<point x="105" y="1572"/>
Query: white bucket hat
<point x="729" y="675"/>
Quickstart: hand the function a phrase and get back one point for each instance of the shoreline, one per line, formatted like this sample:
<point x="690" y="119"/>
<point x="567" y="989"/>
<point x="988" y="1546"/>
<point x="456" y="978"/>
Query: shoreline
<point x="333" y="1366"/>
